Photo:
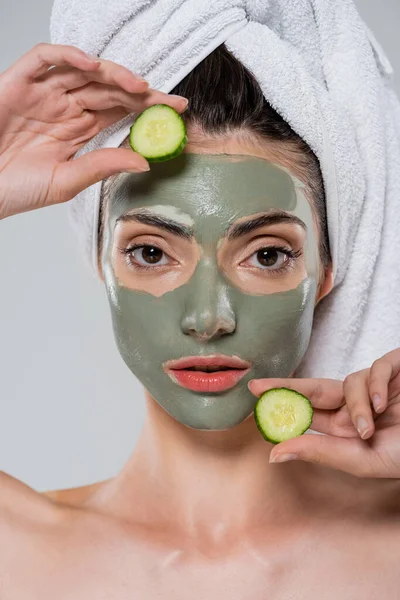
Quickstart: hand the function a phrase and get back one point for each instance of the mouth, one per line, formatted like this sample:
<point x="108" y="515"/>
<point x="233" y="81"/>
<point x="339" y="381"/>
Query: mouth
<point x="215" y="373"/>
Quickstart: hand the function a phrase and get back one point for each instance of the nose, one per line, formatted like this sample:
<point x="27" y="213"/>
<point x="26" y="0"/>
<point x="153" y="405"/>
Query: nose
<point x="208" y="312"/>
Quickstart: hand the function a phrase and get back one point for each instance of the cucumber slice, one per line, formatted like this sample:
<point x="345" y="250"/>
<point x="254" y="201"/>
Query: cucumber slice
<point x="158" y="133"/>
<point x="282" y="414"/>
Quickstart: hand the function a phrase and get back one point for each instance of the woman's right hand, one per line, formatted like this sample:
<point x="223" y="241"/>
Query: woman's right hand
<point x="47" y="115"/>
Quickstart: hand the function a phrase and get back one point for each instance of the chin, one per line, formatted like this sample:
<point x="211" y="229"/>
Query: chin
<point x="206" y="421"/>
<point x="204" y="412"/>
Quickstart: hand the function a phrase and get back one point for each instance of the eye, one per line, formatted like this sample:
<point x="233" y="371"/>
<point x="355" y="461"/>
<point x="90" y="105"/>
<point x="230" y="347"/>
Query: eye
<point x="270" y="258"/>
<point x="147" y="255"/>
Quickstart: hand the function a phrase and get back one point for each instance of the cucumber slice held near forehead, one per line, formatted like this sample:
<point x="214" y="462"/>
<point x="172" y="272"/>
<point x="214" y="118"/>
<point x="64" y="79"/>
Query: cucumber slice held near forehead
<point x="282" y="414"/>
<point x="158" y="133"/>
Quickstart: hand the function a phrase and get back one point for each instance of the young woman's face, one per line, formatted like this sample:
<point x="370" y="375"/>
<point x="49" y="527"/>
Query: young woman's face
<point x="214" y="259"/>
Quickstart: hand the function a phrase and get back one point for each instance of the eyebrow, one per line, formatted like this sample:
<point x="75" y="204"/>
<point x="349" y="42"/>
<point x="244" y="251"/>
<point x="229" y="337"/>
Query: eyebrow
<point x="233" y="232"/>
<point x="147" y="218"/>
<point x="240" y="229"/>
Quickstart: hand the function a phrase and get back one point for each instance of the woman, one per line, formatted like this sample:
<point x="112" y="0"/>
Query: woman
<point x="198" y="511"/>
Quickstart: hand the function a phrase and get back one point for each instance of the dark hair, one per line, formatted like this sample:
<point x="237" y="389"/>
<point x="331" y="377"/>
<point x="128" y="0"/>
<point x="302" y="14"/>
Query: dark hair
<point x="224" y="97"/>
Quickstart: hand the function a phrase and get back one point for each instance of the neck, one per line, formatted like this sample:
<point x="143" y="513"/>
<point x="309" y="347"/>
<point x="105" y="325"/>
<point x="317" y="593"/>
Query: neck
<point x="212" y="485"/>
<point x="217" y="487"/>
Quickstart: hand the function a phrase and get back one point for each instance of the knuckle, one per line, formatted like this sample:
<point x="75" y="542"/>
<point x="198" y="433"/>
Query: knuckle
<point x="316" y="458"/>
<point x="76" y="96"/>
<point x="349" y="381"/>
<point x="40" y="50"/>
<point x="377" y="363"/>
<point x="374" y="380"/>
<point x="318" y="392"/>
<point x="89" y="123"/>
<point x="318" y="451"/>
<point x="40" y="46"/>
<point x="337" y="425"/>
<point x="114" y="96"/>
<point x="380" y="365"/>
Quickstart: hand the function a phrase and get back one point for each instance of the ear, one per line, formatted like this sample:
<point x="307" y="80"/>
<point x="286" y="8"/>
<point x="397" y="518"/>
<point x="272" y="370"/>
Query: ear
<point x="326" y="285"/>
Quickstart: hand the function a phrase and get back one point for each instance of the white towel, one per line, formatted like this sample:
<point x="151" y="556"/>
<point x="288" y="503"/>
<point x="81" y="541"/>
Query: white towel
<point x="322" y="69"/>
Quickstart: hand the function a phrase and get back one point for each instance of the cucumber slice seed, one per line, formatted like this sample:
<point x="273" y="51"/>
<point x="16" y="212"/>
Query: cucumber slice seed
<point x="158" y="133"/>
<point x="282" y="414"/>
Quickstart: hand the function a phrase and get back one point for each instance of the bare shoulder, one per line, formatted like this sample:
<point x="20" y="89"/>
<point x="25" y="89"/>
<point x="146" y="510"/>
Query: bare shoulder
<point x="24" y="515"/>
<point x="16" y="497"/>
<point x="33" y="523"/>
<point x="76" y="496"/>
<point x="15" y="493"/>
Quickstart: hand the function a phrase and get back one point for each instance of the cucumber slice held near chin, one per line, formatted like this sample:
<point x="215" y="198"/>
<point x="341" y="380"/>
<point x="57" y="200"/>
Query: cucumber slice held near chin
<point x="282" y="414"/>
<point x="158" y="133"/>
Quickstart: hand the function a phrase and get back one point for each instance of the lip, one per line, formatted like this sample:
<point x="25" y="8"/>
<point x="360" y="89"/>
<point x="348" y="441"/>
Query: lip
<point x="201" y="381"/>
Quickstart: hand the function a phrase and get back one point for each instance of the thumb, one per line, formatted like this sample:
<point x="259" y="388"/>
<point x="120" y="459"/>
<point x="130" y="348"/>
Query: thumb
<point x="73" y="176"/>
<point x="345" y="454"/>
<point x="322" y="393"/>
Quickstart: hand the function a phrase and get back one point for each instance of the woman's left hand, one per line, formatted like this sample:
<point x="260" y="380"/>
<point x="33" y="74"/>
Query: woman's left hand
<point x="361" y="440"/>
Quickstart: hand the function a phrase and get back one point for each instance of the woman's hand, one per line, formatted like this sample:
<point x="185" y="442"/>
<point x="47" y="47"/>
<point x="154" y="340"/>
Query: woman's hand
<point x="47" y="115"/>
<point x="342" y="410"/>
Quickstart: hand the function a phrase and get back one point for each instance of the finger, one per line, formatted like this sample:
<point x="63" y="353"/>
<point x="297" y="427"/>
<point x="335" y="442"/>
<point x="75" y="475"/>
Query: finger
<point x="355" y="388"/>
<point x="71" y="177"/>
<point x="107" y="72"/>
<point x="381" y="373"/>
<point x="42" y="56"/>
<point x="96" y="96"/>
<point x="151" y="96"/>
<point x="105" y="118"/>
<point x="69" y="78"/>
<point x="332" y="422"/>
<point x="322" y="393"/>
<point x="353" y="456"/>
<point x="116" y="76"/>
<point x="111" y="73"/>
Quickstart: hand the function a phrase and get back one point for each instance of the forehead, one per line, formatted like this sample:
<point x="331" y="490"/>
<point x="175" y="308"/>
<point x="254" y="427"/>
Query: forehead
<point x="209" y="188"/>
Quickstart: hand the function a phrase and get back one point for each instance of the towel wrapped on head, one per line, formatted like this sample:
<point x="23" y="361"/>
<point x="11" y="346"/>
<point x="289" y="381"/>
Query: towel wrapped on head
<point x="322" y="70"/>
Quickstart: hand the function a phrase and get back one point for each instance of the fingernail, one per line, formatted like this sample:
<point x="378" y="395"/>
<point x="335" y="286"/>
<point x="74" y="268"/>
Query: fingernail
<point x="376" y="401"/>
<point x="181" y="98"/>
<point x="138" y="170"/>
<point x="93" y="57"/>
<point x="362" y="426"/>
<point x="280" y="458"/>
<point x="139" y="77"/>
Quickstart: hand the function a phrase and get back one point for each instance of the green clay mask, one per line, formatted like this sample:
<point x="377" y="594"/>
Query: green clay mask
<point x="217" y="306"/>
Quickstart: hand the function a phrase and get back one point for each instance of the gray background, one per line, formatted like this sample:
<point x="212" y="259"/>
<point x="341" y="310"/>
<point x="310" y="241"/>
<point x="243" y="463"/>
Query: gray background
<point x="70" y="410"/>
